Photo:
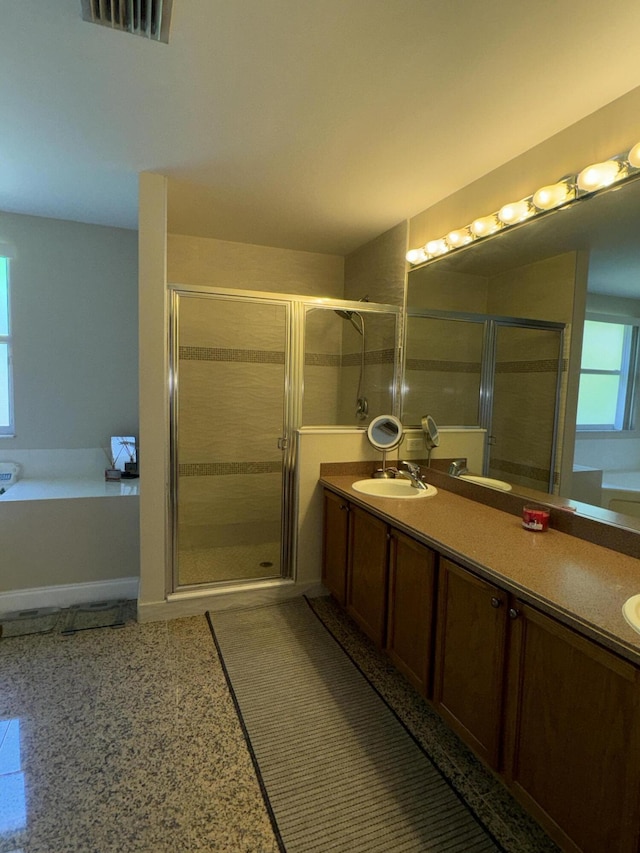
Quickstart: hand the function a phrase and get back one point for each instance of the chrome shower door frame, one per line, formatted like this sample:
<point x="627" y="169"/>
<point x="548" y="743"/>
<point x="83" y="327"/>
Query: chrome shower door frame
<point x="286" y="444"/>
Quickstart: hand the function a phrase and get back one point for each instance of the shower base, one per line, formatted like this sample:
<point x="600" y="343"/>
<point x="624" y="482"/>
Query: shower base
<point x="229" y="563"/>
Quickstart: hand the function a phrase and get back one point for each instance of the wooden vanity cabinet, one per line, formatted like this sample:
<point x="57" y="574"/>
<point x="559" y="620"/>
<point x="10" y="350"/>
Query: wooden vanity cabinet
<point x="335" y="545"/>
<point x="411" y="609"/>
<point x="555" y="713"/>
<point x="573" y="735"/>
<point x="470" y="658"/>
<point x="366" y="596"/>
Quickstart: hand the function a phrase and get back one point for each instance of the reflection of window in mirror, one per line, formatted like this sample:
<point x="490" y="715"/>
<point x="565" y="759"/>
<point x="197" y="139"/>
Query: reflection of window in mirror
<point x="609" y="363"/>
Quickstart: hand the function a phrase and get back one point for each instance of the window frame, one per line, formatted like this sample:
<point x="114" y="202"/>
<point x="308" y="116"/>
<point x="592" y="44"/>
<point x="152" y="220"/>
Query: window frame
<point x="625" y="409"/>
<point x="8" y="431"/>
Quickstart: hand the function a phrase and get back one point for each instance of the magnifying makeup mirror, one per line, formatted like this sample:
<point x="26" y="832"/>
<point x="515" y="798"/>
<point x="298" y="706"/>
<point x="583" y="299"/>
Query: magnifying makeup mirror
<point x="430" y="434"/>
<point x="384" y="433"/>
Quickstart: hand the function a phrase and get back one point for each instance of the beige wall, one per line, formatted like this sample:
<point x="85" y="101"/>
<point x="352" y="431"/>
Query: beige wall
<point x="75" y="328"/>
<point x="241" y="266"/>
<point x="608" y="131"/>
<point x="377" y="269"/>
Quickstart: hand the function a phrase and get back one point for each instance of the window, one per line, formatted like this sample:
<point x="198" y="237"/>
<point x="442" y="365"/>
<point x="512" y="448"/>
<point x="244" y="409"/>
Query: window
<point x="609" y="358"/>
<point x="6" y="395"/>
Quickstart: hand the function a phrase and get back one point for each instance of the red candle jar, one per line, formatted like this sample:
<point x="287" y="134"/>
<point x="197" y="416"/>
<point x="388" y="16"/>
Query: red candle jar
<point x="535" y="518"/>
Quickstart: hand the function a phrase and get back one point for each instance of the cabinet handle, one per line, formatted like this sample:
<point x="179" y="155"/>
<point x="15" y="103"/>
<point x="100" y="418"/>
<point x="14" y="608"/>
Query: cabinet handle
<point x="495" y="602"/>
<point x="344" y="506"/>
<point x="513" y="613"/>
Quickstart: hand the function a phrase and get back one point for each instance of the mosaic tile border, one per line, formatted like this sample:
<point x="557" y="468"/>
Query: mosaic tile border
<point x="223" y="469"/>
<point x="321" y="359"/>
<point x="436" y="366"/>
<point x="311" y="359"/>
<point x="375" y="356"/>
<point x="540" y="365"/>
<point x="244" y="356"/>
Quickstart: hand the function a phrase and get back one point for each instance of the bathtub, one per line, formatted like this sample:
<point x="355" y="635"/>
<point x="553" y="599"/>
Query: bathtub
<point x="66" y="541"/>
<point x="621" y="492"/>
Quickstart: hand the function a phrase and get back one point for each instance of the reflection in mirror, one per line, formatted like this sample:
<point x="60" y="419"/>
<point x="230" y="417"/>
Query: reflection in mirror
<point x="430" y="434"/>
<point x="384" y="433"/>
<point x="572" y="265"/>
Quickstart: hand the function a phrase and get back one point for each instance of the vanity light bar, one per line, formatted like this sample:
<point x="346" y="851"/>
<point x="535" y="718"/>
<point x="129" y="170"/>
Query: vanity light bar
<point x="591" y="179"/>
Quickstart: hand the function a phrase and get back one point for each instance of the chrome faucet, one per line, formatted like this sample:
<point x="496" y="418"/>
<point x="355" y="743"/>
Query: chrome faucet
<point x="458" y="467"/>
<point x="413" y="474"/>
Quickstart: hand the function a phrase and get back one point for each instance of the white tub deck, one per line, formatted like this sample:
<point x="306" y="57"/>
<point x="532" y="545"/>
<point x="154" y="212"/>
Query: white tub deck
<point x="85" y="487"/>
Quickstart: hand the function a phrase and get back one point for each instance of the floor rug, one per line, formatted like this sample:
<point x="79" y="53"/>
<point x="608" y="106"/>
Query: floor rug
<point x="338" y="769"/>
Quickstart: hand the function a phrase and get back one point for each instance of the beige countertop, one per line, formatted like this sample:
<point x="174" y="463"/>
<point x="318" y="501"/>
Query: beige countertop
<point x="582" y="584"/>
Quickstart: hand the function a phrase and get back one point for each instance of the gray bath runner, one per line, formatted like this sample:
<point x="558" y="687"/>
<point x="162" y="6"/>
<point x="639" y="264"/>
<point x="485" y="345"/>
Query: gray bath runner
<point x="339" y="771"/>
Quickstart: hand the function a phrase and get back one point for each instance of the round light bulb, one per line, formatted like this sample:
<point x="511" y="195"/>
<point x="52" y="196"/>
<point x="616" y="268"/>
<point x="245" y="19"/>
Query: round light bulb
<point x="436" y="247"/>
<point x="599" y="175"/>
<point x="460" y="237"/>
<point x="514" y="212"/>
<point x="485" y="225"/>
<point x="417" y="256"/>
<point x="634" y="156"/>
<point x="546" y="198"/>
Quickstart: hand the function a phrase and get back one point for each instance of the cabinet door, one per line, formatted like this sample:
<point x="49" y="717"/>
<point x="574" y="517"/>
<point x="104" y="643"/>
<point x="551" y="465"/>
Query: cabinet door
<point x="412" y="576"/>
<point x="334" y="545"/>
<point x="367" y="574"/>
<point x="470" y="658"/>
<point x="573" y="735"/>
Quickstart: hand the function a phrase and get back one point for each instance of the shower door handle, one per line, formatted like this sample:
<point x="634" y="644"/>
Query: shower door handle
<point x="283" y="442"/>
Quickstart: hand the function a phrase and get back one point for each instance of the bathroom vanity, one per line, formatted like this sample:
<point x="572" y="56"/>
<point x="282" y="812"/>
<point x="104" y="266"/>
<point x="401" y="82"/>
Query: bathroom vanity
<point x="516" y="638"/>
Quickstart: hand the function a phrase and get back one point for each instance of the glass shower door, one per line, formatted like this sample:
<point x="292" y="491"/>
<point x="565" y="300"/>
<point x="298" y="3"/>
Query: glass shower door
<point x="228" y="418"/>
<point x="522" y="432"/>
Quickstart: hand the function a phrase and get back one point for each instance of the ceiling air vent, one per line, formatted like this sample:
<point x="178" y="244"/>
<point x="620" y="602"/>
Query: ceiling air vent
<point x="149" y="18"/>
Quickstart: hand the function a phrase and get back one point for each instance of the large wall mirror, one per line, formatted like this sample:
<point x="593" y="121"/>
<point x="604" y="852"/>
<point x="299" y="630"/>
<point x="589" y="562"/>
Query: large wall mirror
<point x="532" y="334"/>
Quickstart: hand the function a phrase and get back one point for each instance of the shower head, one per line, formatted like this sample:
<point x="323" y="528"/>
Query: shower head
<point x="351" y="317"/>
<point x="346" y="315"/>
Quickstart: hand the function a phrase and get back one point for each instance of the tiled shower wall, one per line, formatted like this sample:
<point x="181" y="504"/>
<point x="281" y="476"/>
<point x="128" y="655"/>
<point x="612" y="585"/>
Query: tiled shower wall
<point x="231" y="361"/>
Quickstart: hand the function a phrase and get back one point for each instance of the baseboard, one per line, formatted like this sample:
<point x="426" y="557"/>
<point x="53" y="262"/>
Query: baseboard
<point x="197" y="602"/>
<point x="68" y="594"/>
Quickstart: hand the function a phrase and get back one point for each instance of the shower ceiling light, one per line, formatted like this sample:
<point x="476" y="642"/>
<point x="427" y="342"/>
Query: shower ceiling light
<point x="596" y="177"/>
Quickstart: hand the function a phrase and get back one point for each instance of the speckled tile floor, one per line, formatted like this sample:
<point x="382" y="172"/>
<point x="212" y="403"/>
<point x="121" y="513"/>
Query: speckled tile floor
<point x="126" y="739"/>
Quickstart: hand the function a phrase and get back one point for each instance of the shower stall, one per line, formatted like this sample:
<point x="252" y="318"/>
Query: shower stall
<point x="247" y="370"/>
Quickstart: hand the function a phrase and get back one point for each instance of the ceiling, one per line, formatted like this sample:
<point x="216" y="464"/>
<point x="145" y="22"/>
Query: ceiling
<point x="312" y="126"/>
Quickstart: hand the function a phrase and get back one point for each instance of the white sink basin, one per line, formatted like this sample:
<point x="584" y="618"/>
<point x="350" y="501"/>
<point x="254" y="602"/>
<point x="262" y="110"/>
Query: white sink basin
<point x="489" y="482"/>
<point x="631" y="612"/>
<point x="393" y="489"/>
